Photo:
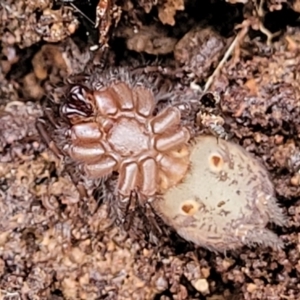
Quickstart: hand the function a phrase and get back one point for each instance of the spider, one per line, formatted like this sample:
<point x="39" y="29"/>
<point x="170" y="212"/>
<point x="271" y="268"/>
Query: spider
<point x="110" y="124"/>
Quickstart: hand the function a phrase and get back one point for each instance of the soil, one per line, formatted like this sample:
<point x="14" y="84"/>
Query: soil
<point x="53" y="245"/>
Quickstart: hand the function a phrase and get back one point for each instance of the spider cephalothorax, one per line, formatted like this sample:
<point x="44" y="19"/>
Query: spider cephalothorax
<point x="114" y="127"/>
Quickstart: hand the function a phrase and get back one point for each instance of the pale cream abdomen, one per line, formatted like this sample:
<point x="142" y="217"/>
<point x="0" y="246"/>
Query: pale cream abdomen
<point x="225" y="201"/>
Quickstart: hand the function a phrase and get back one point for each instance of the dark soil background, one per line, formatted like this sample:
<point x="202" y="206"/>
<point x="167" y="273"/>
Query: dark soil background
<point x="54" y="246"/>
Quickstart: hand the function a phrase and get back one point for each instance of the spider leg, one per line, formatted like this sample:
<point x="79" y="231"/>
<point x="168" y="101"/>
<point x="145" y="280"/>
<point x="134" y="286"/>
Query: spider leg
<point x="127" y="179"/>
<point x="49" y="115"/>
<point x="145" y="203"/>
<point x="130" y="211"/>
<point x="104" y="167"/>
<point x="40" y="126"/>
<point x="151" y="216"/>
<point x="89" y="153"/>
<point x="148" y="190"/>
<point x="106" y="192"/>
<point x="166" y="119"/>
<point x="71" y="171"/>
<point x="121" y="210"/>
<point x="173" y="168"/>
<point x="168" y="141"/>
<point x="127" y="183"/>
<point x="124" y="96"/>
<point x="85" y="132"/>
<point x="143" y="100"/>
<point x="149" y="177"/>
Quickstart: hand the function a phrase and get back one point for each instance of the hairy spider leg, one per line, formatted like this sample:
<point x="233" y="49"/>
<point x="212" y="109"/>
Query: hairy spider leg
<point x="123" y="96"/>
<point x="40" y="126"/>
<point x="126" y="186"/>
<point x="167" y="142"/>
<point x="173" y="167"/>
<point x="102" y="168"/>
<point x="85" y="132"/>
<point x="149" y="180"/>
<point x="89" y="153"/>
<point x="166" y="119"/>
<point x="128" y="178"/>
<point x="143" y="99"/>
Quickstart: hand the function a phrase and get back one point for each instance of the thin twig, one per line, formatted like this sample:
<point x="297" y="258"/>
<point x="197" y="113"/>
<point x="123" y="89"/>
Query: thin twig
<point x="221" y="63"/>
<point x="83" y="14"/>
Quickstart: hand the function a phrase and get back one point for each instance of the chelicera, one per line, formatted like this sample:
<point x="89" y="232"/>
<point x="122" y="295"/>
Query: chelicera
<point x="111" y="125"/>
